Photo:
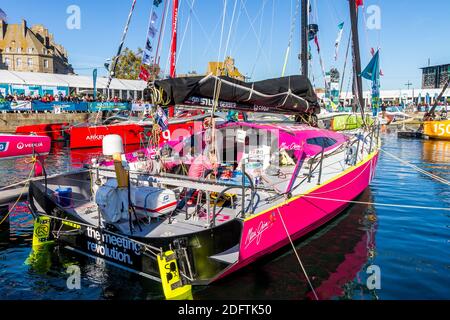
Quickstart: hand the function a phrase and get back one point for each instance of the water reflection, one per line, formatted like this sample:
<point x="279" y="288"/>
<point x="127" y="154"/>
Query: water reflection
<point x="411" y="246"/>
<point x="335" y="258"/>
<point x="436" y="151"/>
<point x="60" y="159"/>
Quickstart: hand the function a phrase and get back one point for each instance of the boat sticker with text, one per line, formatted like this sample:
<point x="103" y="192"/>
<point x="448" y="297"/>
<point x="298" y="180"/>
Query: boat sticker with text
<point x="22" y="145"/>
<point x="255" y="235"/>
<point x="4" y="146"/>
<point x="95" y="137"/>
<point x="293" y="146"/>
<point x="115" y="248"/>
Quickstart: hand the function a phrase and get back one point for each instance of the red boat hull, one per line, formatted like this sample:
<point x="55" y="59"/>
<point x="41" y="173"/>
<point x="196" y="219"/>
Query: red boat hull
<point x="92" y="136"/>
<point x="53" y="130"/>
<point x="132" y="134"/>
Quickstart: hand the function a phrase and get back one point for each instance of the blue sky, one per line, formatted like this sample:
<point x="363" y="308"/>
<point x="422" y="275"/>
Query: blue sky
<point x="412" y="31"/>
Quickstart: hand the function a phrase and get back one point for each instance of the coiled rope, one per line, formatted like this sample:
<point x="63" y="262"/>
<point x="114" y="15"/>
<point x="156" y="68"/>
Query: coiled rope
<point x="155" y="135"/>
<point x="157" y="96"/>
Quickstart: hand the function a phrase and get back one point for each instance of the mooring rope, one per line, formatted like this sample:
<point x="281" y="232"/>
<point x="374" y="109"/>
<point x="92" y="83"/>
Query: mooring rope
<point x="406" y="163"/>
<point x="296" y="254"/>
<point x="33" y="161"/>
<point x="378" y="203"/>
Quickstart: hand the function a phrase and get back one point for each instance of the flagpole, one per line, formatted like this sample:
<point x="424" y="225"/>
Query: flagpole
<point x="113" y="66"/>
<point x="304" y="37"/>
<point x="357" y="80"/>
<point x="173" y="49"/>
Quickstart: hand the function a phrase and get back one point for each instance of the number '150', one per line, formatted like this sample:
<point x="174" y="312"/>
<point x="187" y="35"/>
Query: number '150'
<point x="442" y="129"/>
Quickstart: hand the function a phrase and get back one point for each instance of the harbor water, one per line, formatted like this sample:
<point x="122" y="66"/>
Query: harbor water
<point x="406" y="248"/>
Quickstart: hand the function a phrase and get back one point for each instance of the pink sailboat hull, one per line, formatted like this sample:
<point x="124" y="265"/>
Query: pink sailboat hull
<point x="266" y="232"/>
<point x="12" y="146"/>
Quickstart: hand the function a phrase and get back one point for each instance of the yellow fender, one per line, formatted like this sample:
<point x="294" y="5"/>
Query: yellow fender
<point x="41" y="232"/>
<point x="40" y="255"/>
<point x="171" y="279"/>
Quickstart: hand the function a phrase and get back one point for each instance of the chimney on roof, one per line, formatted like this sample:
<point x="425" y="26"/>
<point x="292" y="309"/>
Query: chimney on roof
<point x="24" y="28"/>
<point x="2" y="29"/>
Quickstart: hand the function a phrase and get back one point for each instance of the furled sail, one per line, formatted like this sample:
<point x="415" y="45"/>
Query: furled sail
<point x="287" y="95"/>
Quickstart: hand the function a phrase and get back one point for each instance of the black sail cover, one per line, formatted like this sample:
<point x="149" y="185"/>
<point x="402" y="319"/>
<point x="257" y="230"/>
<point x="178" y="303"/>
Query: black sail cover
<point x="287" y="95"/>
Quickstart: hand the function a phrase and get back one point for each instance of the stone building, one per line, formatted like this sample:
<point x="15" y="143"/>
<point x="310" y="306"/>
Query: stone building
<point x="31" y="49"/>
<point x="226" y="68"/>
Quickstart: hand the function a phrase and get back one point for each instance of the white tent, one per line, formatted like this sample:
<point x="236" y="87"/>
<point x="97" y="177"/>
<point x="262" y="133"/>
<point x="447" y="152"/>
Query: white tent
<point x="71" y="81"/>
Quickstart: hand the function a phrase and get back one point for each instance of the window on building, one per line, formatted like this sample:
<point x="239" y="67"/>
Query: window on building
<point x="45" y="63"/>
<point x="7" y="49"/>
<point x="44" y="51"/>
<point x="30" y="50"/>
<point x="19" y="50"/>
<point x="19" y="62"/>
<point x="30" y="62"/>
<point x="7" y="62"/>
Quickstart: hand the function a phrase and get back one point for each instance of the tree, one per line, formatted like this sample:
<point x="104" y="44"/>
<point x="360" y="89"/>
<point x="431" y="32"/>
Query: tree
<point x="129" y="66"/>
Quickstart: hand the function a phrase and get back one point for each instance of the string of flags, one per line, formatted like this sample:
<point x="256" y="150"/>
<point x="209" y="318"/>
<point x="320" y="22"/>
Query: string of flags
<point x="3" y="15"/>
<point x="161" y="119"/>
<point x="148" y="48"/>
<point x="338" y="40"/>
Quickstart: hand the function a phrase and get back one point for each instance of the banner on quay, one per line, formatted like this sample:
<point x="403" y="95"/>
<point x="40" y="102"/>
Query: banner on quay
<point x="5" y="105"/>
<point x="108" y="106"/>
<point x="20" y="105"/>
<point x="140" y="107"/>
<point x="70" y="106"/>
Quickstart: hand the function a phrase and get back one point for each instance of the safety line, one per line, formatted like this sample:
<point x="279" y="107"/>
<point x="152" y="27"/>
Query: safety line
<point x="429" y="174"/>
<point x="296" y="254"/>
<point x="378" y="203"/>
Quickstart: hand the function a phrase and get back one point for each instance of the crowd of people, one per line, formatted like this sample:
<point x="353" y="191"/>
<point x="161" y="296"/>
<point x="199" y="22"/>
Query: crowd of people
<point x="64" y="98"/>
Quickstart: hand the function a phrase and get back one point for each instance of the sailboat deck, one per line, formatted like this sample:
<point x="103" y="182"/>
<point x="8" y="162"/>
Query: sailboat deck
<point x="272" y="192"/>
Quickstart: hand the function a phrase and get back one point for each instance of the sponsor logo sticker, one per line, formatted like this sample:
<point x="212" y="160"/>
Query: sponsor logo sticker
<point x="4" y="146"/>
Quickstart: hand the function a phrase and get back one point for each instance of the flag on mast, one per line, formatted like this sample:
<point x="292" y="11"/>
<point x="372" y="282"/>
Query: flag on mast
<point x="316" y="41"/>
<point x="372" y="72"/>
<point x="144" y="75"/>
<point x="152" y="31"/>
<point x="146" y="59"/>
<point x="3" y="15"/>
<point x="146" y="55"/>
<point x="338" y="40"/>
